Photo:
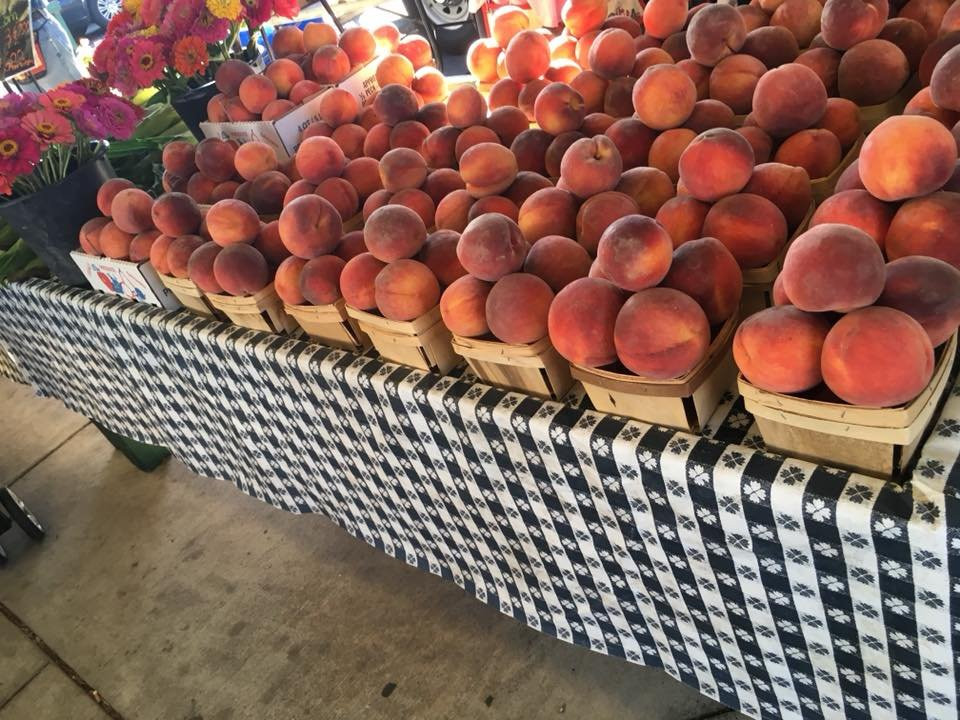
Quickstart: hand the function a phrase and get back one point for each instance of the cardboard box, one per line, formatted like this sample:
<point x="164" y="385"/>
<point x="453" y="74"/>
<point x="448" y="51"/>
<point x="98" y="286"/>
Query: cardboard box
<point x="283" y="134"/>
<point x="134" y="281"/>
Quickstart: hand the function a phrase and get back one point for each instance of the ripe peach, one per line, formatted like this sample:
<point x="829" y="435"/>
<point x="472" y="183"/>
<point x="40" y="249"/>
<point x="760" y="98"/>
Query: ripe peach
<point x="591" y="166"/>
<point x="89" y="235"/>
<point x="562" y="71"/>
<point x="342" y="195"/>
<point x="139" y="249"/>
<point x="761" y="143"/>
<point x="237" y="112"/>
<point x="402" y="168"/>
<point x="115" y="242"/>
<point x="909" y="36"/>
<point x="559" y="108"/>
<point x="526" y="184"/>
<point x="778" y="349"/>
<point x="482" y="59"/>
<point x="517" y="307"/>
<point x="527" y="56"/>
<point x="667" y="149"/>
<point x="316" y="129"/>
<point x="463" y="306"/>
<point x="438" y="148"/>
<point x="439" y="253"/>
<point x="396" y="103"/>
<point x="320" y="280"/>
<point x="351" y="245"/>
<point x="269" y="243"/>
<point x="800" y="17"/>
<point x="592" y="89"/>
<point x="319" y="158"/>
<point x="926" y="226"/>
<point x="598" y="213"/>
<point x="416" y="49"/>
<point x="850" y="178"/>
<point x="558" y="261"/>
<point x="618" y="99"/>
<point x="394" y="232"/>
<point x="662" y="18"/>
<point x="661" y="333"/>
<point x="175" y="214"/>
<point x="492" y="246"/>
<point x="700" y="76"/>
<point x="849" y="22"/>
<point x="395" y="68"/>
<point x="177" y="256"/>
<point x="433" y="115"/>
<point x="287" y="40"/>
<point x="357" y="281"/>
<point x="241" y="270"/>
<point x="504" y="93"/>
<point x="359" y="45"/>
<point x="108" y="191"/>
<point x="430" y="84"/>
<point x="859" y="209"/>
<point x="350" y="138"/>
<point x="200" y="267"/>
<point x="706" y="271"/>
<point x="442" y="182"/>
<point x="215" y="159"/>
<point x="682" y="217"/>
<point x="276" y="109"/>
<point x="907" y="156"/>
<point x="634" y="252"/>
<point x="922" y="104"/>
<point x="886" y="69"/>
<point x="612" y="53"/>
<point x="494" y="203"/>
<point x="284" y="74"/>
<point x="582" y="16"/>
<point x="376" y="201"/>
<point x="287" y="281"/>
<point x="773" y="45"/>
<point x="563" y="47"/>
<point x="217" y="108"/>
<point x="734" y="80"/>
<point x="842" y="118"/>
<point x="201" y="188"/>
<point x="597" y="124"/>
<point x="315" y="35"/>
<point x="229" y="76"/>
<point x="466" y="107"/>
<point x="751" y="227"/>
<point x="929" y="13"/>
<point x="310" y="226"/>
<point x="926" y="289"/>
<point x="825" y="63"/>
<point x="408" y="134"/>
<point x="787" y="99"/>
<point x="581" y="321"/>
<point x="786" y="187"/>
<point x="944" y="87"/>
<point x="506" y="22"/>
<point x="816" y="151"/>
<point x="664" y="97"/>
<point x="377" y="141"/>
<point x="418" y="201"/>
<point x="549" y="211"/>
<point x="330" y="64"/>
<point x="131" y="210"/>
<point x="256" y="92"/>
<point x="179" y="158"/>
<point x="676" y="46"/>
<point x="710" y="114"/>
<point x="716" y="163"/>
<point x="469" y="137"/>
<point x="338" y="107"/>
<point x="557" y="149"/>
<point x="649" y="187"/>
<point x="527" y="98"/>
<point x="877" y="357"/>
<point x="453" y="210"/>
<point x="254" y="158"/>
<point x="530" y="150"/>
<point x="507" y="123"/>
<point x="714" y="33"/>
<point x="647" y="58"/>
<point x="405" y="290"/>
<point x="488" y="169"/>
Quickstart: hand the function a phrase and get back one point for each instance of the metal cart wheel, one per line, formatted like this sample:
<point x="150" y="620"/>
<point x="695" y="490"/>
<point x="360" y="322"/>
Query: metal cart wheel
<point x="21" y="515"/>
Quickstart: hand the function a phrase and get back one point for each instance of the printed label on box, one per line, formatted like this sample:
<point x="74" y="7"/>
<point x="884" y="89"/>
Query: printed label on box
<point x="134" y="281"/>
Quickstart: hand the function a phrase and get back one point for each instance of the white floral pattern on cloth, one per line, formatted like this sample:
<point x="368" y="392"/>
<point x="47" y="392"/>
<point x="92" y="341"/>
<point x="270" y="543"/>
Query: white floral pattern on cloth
<point x="781" y="588"/>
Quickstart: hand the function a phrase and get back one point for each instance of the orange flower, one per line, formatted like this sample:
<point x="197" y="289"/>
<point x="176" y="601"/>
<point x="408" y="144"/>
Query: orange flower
<point x="190" y="55"/>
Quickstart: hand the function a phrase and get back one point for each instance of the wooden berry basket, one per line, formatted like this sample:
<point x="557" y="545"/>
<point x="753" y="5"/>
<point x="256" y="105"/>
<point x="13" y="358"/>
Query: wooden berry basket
<point x="536" y="368"/>
<point x="758" y="282"/>
<point x="873" y="115"/>
<point x="423" y="343"/>
<point x="875" y="441"/>
<point x="189" y="295"/>
<point x="823" y="188"/>
<point x="685" y="403"/>
<point x="261" y="311"/>
<point x="330" y="324"/>
<point x="353" y="223"/>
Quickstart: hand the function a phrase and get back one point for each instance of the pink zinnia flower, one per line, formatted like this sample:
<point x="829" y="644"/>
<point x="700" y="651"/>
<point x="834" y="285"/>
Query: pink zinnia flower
<point x="113" y="117"/>
<point x="105" y="56"/>
<point x="286" y="8"/>
<point x="150" y="11"/>
<point x="65" y="101"/>
<point x="121" y="24"/>
<point x="258" y="11"/>
<point x="19" y="151"/>
<point x="210" y="28"/>
<point x="48" y="127"/>
<point x="179" y="18"/>
<point x="15" y="104"/>
<point x="146" y="61"/>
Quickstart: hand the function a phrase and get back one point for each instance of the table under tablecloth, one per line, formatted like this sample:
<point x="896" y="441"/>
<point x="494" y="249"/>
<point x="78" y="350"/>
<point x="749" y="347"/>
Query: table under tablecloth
<point x="779" y="587"/>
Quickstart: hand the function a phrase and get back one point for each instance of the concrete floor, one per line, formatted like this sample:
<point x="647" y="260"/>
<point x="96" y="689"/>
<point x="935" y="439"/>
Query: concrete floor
<point x="169" y="596"/>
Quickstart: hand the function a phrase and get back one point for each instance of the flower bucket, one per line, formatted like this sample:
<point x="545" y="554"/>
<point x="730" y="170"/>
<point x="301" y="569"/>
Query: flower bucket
<point x="192" y="106"/>
<point x="49" y="221"/>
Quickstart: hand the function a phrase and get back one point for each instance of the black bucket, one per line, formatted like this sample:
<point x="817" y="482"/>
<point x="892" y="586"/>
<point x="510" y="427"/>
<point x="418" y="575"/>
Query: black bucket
<point x="49" y="221"/>
<point x="192" y="106"/>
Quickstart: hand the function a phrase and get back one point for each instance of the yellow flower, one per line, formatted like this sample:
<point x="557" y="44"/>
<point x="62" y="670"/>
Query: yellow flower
<point x="132" y="6"/>
<point x="148" y="31"/>
<point x="227" y="9"/>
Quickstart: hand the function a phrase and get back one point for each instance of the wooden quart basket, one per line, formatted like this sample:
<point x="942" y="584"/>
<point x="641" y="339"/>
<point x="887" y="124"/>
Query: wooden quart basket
<point x="758" y="282"/>
<point x="536" y="368"/>
<point x="873" y="115"/>
<point x="330" y="324"/>
<point x="261" y="311"/>
<point x="874" y="441"/>
<point x="189" y="295"/>
<point x="822" y="188"/>
<point x="423" y="343"/>
<point x="685" y="403"/>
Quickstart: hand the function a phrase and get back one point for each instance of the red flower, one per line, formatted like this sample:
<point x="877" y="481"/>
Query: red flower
<point x="190" y="55"/>
<point x="180" y="16"/>
<point x="48" y="127"/>
<point x="6" y="188"/>
<point x="146" y="61"/>
<point x="121" y="23"/>
<point x="62" y="100"/>
<point x="210" y="28"/>
<point x="286" y="8"/>
<point x="105" y="56"/>
<point x="19" y="152"/>
<point x="258" y="11"/>
<point x="150" y="11"/>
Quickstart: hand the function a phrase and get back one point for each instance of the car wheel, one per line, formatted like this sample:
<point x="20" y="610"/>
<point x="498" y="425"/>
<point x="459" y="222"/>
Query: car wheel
<point x="102" y="10"/>
<point x="440" y="12"/>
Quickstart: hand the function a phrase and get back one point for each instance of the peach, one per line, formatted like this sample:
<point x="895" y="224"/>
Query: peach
<point x="310" y="226"/>
<point x="492" y="246"/>
<point x="778" y="349"/>
<point x="342" y="195"/>
<point x="773" y="45"/>
<point x="714" y="33"/>
<point x="649" y="187"/>
<point x="89" y="235"/>
<point x="175" y="214"/>
<point x="270" y="244"/>
<point x="359" y="45"/>
<point x="761" y="143"/>
<point x="825" y="63"/>
<point x="179" y="158"/>
<point x="933" y="54"/>
<point x="786" y="187"/>
<point x="562" y="71"/>
<point x="254" y="158"/>
<point x="376" y="144"/>
<point x="557" y="149"/>
<point x="550" y="211"/>
<point x="418" y="201"/>
<point x="463" y="306"/>
<point x="527" y="56"/>
<point x="850" y="178"/>
<point x="558" y="261"/>
<point x="909" y="36"/>
<point x="201" y="188"/>
<point x="592" y="89"/>
<point x="800" y="17"/>
<point x="787" y="99"/>
<point x="394" y="232"/>
<point x="241" y="270"/>
<point x="666" y="150"/>
<point x="351" y="245"/>
<point x="396" y="103"/>
<point x="529" y="93"/>
<point x="597" y="124"/>
<point x="215" y="159"/>
<point x="505" y="22"/>
<point x="734" y="80"/>
<point x="581" y="321"/>
<point x="710" y="114"/>
<point x="433" y="115"/>
<point x="530" y="150"/>
<point x="287" y="40"/>
<point x="256" y="92"/>
<point x="661" y="333"/>
<point x="439" y="253"/>
<point x="583" y="16"/>
<point x="287" y="281"/>
<point x="230" y="74"/>
<point x="716" y="163"/>
<point x="877" y="357"/>
<point x="330" y="65"/>
<point x="754" y="16"/>
<point x="859" y="209"/>
<point x="395" y="68"/>
<point x="618" y="99"/>
<point x="950" y="21"/>
<point x="700" y="76"/>
<point x="816" y="151"/>
<point x="453" y="210"/>
<point x="591" y="166"/>
<point x="158" y="253"/>
<point x="430" y="84"/>
<point x="442" y="182"/>
<point x="408" y="134"/>
<point x="236" y="112"/>
<point x="922" y="104"/>
<point x="488" y="169"/>
<point x="217" y="108"/>
<point x="612" y="53"/>
<point x="647" y="58"/>
<point x="907" y="156"/>
<point x="926" y="289"/>
<point x="469" y="137"/>
<point x="173" y="183"/>
<point x="751" y="227"/>
<point x="350" y="138"/>
<point x="507" y="123"/>
<point x="466" y="107"/>
<point x="664" y="97"/>
<point x="706" y="271"/>
<point x="504" y="93"/>
<point x="929" y="13"/>
<point x="482" y="59"/>
<point x="316" y="129"/>
<point x="584" y="43"/>
<point x="676" y="46"/>
<point x="926" y="226"/>
<point x="276" y="109"/>
<point x="517" y="307"/>
<point x="131" y="210"/>
<point x="284" y="74"/>
<point x="886" y="67"/>
<point x="525" y="185"/>
<point x="402" y="168"/>
<point x="623" y="22"/>
<point x="662" y="18"/>
<point x="494" y="203"/>
<point x="200" y="267"/>
<point x="139" y="249"/>
<point x="842" y="118"/>
<point x="357" y="281"/>
<point x="319" y="158"/>
<point x="178" y="252"/>
<point x="115" y="242"/>
<point x="320" y="280"/>
<point x="634" y="252"/>
<point x="563" y="47"/>
<point x="848" y="22"/>
<point x="438" y="148"/>
<point x="108" y="191"/>
<point x="416" y="49"/>
<point x="337" y="107"/>
<point x="682" y="218"/>
<point x="559" y="108"/>
<point x="318" y="33"/>
<point x="598" y="213"/>
<point x="833" y="267"/>
<point x="944" y="86"/>
<point x="232" y="221"/>
<point x="406" y="289"/>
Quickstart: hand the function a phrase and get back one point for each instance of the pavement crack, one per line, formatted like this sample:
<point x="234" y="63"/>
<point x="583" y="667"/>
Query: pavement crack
<point x="64" y="666"/>
<point x="24" y="686"/>
<point x="56" y="447"/>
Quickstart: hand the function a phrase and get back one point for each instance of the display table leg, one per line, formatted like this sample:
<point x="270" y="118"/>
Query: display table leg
<point x="143" y="456"/>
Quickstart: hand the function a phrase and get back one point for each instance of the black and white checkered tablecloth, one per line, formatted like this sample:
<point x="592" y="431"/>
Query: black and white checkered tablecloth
<point x="778" y="587"/>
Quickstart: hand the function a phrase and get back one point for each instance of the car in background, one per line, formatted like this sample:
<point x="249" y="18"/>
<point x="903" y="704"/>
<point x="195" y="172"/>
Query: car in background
<point x="78" y="14"/>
